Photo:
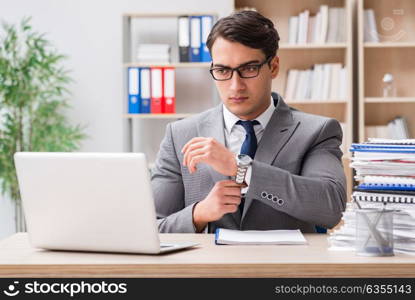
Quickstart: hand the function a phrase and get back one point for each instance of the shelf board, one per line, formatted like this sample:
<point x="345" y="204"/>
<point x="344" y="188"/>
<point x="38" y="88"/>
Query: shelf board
<point x="390" y="100"/>
<point x="316" y="101"/>
<point x="286" y="46"/>
<point x="390" y="45"/>
<point x="175" y="65"/>
<point x="157" y="116"/>
<point x="167" y="15"/>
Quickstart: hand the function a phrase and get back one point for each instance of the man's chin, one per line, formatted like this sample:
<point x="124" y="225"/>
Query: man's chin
<point x="239" y="111"/>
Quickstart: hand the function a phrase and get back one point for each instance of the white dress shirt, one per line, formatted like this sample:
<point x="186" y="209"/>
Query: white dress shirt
<point x="235" y="133"/>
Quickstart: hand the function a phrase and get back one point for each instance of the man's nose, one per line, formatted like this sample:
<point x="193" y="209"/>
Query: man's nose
<point x="237" y="83"/>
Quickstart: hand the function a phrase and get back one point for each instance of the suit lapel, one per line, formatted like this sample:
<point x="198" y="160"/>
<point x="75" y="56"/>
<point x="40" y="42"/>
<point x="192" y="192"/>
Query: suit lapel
<point x="277" y="133"/>
<point x="279" y="130"/>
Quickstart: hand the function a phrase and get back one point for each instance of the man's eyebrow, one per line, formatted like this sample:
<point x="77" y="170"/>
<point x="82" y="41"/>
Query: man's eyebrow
<point x="245" y="63"/>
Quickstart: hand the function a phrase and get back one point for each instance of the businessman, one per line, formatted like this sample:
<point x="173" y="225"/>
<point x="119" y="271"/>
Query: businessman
<point x="251" y="163"/>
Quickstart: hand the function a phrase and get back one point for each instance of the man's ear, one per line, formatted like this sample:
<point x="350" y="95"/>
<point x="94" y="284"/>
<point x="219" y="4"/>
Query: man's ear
<point x="275" y="66"/>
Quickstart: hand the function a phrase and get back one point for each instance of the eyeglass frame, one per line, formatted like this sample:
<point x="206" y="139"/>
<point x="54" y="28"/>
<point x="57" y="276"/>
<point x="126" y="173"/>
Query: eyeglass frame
<point x="238" y="71"/>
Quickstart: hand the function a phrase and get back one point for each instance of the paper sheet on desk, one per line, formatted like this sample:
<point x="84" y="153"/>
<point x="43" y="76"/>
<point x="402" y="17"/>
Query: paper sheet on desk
<point x="259" y="237"/>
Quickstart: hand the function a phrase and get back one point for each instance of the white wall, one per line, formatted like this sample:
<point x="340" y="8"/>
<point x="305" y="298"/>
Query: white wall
<point x="90" y="33"/>
<point x="6" y="217"/>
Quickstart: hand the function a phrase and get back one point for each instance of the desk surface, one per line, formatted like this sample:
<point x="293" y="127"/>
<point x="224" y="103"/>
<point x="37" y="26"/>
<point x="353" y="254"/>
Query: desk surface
<point x="19" y="259"/>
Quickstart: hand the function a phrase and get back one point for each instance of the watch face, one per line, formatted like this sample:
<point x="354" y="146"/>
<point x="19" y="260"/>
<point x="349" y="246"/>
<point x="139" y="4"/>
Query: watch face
<point x="244" y="159"/>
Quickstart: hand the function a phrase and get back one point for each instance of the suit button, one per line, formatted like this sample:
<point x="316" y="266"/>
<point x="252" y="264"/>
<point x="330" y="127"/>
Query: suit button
<point x="274" y="199"/>
<point x="269" y="197"/>
<point x="280" y="202"/>
<point x="264" y="195"/>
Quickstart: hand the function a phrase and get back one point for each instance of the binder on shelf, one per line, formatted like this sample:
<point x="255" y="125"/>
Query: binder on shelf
<point x="156" y="90"/>
<point x="324" y="11"/>
<point x="206" y="23"/>
<point x="169" y="92"/>
<point x="293" y="29"/>
<point x="184" y="39"/>
<point x="303" y="27"/>
<point x="195" y="38"/>
<point x="133" y="90"/>
<point x="145" y="90"/>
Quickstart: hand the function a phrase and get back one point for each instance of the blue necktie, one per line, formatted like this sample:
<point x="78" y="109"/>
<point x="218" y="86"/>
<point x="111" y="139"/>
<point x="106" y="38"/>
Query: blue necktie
<point x="250" y="144"/>
<point x="248" y="147"/>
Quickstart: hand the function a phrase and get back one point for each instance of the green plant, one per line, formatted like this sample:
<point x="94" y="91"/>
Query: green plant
<point x="33" y="95"/>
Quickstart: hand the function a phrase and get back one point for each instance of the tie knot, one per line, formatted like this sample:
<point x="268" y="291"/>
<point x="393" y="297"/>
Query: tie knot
<point x="248" y="125"/>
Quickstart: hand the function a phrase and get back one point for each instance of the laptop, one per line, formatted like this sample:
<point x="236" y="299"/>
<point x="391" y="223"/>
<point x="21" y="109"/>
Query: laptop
<point x="90" y="202"/>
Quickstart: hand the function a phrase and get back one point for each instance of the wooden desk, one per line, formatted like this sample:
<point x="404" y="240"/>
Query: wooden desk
<point x="18" y="259"/>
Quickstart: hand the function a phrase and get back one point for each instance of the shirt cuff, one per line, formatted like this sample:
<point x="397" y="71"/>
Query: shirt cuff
<point x="194" y="227"/>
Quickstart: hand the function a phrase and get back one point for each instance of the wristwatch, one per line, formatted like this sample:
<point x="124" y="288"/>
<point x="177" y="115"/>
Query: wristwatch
<point x="243" y="161"/>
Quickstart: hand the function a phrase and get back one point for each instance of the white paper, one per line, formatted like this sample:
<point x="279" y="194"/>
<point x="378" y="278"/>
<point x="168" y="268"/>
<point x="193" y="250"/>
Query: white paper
<point x="260" y="237"/>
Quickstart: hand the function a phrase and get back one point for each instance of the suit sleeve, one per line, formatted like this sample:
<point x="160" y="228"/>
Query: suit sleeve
<point x="168" y="190"/>
<point x="318" y="194"/>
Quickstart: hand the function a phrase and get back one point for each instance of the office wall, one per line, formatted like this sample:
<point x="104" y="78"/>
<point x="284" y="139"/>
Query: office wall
<point x="6" y="217"/>
<point x="90" y="33"/>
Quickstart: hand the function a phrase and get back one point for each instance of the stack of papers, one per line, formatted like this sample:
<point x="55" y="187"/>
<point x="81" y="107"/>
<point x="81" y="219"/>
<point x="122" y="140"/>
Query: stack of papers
<point x="153" y="53"/>
<point x="259" y="237"/>
<point x="385" y="170"/>
<point x="403" y="228"/>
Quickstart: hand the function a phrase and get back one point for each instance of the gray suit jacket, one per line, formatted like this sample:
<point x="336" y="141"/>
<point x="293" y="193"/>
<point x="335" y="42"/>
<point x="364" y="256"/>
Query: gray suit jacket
<point x="297" y="176"/>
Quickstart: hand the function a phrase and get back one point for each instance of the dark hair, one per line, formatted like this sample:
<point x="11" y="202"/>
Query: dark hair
<point x="249" y="28"/>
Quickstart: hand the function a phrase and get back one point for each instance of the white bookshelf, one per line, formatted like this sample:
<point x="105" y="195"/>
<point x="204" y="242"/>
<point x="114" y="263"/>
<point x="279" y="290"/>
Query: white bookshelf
<point x="390" y="45"/>
<point x="286" y="46"/>
<point x="392" y="100"/>
<point x="392" y="54"/>
<point x="195" y="91"/>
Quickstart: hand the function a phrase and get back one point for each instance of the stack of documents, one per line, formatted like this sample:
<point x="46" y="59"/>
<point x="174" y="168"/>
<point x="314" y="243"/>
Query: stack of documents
<point x="385" y="170"/>
<point x="153" y="53"/>
<point x="259" y="237"/>
<point x="403" y="227"/>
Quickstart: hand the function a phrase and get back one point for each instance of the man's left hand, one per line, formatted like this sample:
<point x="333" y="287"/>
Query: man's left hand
<point x="211" y="152"/>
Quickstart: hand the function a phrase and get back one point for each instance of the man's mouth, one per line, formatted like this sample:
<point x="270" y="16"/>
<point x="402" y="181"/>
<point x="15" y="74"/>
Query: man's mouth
<point x="238" y="99"/>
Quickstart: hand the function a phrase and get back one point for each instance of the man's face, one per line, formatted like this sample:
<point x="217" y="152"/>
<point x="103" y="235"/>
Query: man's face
<point x="246" y="98"/>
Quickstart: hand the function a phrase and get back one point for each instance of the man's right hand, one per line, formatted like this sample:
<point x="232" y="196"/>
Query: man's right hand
<point x="224" y="198"/>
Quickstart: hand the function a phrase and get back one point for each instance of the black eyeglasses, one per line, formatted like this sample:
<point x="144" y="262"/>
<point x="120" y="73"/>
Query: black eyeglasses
<point x="244" y="71"/>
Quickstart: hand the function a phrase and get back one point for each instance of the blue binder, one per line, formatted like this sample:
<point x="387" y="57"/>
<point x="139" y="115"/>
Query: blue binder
<point x="206" y="26"/>
<point x="133" y="90"/>
<point x="195" y="38"/>
<point x="145" y="92"/>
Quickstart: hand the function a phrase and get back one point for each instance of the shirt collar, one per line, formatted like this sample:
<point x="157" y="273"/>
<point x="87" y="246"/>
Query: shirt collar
<point x="230" y="119"/>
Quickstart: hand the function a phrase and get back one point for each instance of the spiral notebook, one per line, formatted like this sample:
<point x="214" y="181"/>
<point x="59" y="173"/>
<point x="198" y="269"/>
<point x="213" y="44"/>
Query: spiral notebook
<point x="383" y="197"/>
<point x="392" y="141"/>
<point x="387" y="179"/>
<point x="387" y="186"/>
